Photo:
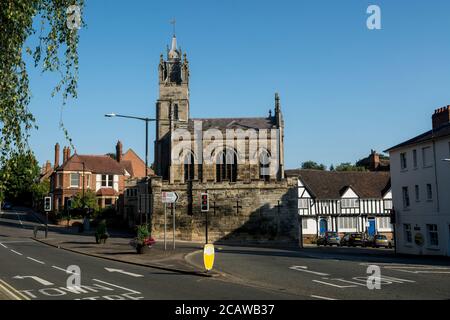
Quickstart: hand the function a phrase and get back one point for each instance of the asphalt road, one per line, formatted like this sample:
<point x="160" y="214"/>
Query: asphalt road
<point x="334" y="273"/>
<point x="38" y="271"/>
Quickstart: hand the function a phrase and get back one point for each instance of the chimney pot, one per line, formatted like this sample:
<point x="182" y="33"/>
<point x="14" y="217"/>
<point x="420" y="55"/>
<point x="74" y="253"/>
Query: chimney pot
<point x="119" y="151"/>
<point x="441" y="117"/>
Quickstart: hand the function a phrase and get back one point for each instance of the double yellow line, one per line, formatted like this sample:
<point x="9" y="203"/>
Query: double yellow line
<point x="11" y="292"/>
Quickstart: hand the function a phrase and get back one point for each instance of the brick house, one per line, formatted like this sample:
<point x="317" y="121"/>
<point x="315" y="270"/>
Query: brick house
<point x="102" y="174"/>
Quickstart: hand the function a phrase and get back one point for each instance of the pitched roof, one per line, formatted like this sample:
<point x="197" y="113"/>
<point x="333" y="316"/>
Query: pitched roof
<point x="106" y="192"/>
<point x="234" y="123"/>
<point x="93" y="163"/>
<point x="330" y="184"/>
<point x="442" y="131"/>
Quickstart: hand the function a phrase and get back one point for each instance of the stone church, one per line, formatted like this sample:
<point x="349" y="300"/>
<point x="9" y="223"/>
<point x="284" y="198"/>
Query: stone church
<point x="239" y="162"/>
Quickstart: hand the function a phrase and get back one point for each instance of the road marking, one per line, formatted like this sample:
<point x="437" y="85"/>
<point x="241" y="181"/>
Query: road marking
<point x="323" y="298"/>
<point x="64" y="270"/>
<point x="37" y="279"/>
<point x="351" y="282"/>
<point x="334" y="285"/>
<point x="124" y="272"/>
<point x="110" y="284"/>
<point x="36" y="260"/>
<point x="1" y="244"/>
<point x="17" y="241"/>
<point x="11" y="291"/>
<point x="423" y="271"/>
<point x="16" y="252"/>
<point x="304" y="269"/>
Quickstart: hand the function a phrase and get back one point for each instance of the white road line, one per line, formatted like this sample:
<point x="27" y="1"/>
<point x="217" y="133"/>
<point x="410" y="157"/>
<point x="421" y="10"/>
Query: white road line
<point x="334" y="285"/>
<point x="304" y="269"/>
<point x="351" y="282"/>
<point x="1" y="244"/>
<point x="13" y="292"/>
<point x="64" y="270"/>
<point x="110" y="284"/>
<point x="16" y="252"/>
<point x="323" y="298"/>
<point x="36" y="260"/>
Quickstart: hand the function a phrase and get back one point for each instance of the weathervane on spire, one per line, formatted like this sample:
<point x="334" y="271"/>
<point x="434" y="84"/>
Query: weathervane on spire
<point x="173" y="22"/>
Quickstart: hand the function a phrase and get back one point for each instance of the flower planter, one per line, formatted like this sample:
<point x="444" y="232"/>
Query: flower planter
<point x="142" y="249"/>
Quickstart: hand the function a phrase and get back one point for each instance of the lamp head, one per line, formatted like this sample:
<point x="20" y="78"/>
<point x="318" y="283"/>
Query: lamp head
<point x="110" y="115"/>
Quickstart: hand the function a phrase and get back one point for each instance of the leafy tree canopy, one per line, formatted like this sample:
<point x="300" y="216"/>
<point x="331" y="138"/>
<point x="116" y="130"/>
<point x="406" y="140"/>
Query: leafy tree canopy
<point x="19" y="175"/>
<point x="347" y="166"/>
<point x="89" y="200"/>
<point x="313" y="165"/>
<point x="55" y="51"/>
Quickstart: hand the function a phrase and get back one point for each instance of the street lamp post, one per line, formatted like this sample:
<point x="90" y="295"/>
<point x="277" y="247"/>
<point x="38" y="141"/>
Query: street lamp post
<point x="147" y="120"/>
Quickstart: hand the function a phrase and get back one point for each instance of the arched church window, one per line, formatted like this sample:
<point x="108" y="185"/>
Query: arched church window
<point x="189" y="167"/>
<point x="226" y="166"/>
<point x="175" y="111"/>
<point x="264" y="165"/>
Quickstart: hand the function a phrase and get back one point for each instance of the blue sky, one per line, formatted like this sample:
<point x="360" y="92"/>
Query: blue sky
<point x="344" y="89"/>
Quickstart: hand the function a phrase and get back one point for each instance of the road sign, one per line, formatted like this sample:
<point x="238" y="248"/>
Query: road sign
<point x="208" y="256"/>
<point x="169" y="197"/>
<point x="48" y="204"/>
<point x="204" y="202"/>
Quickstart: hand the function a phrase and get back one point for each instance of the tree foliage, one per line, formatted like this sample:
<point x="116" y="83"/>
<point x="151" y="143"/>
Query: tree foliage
<point x="90" y="200"/>
<point x="313" y="165"/>
<point x="347" y="166"/>
<point x="19" y="174"/>
<point x="55" y="51"/>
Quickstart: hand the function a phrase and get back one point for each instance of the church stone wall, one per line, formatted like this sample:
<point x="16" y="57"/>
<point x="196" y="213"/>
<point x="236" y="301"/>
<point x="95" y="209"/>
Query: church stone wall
<point x="257" y="219"/>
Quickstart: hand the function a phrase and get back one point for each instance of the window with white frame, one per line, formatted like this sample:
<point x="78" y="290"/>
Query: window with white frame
<point x="417" y="192"/>
<point x="415" y="158"/>
<point x="429" y="192"/>
<point x="347" y="222"/>
<point x="405" y="197"/>
<point x="88" y="180"/>
<point x="387" y="204"/>
<point x="303" y="203"/>
<point x="407" y="231"/>
<point x="433" y="239"/>
<point x="384" y="223"/>
<point x="350" y="203"/>
<point x="427" y="157"/>
<point x="74" y="179"/>
<point x="403" y="162"/>
<point x="107" y="180"/>
<point x="305" y="223"/>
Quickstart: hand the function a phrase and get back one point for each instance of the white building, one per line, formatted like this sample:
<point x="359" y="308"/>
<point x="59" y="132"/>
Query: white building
<point x="421" y="189"/>
<point x="343" y="202"/>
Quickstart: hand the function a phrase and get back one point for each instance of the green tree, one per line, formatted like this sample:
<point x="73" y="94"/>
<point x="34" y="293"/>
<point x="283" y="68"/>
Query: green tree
<point x="40" y="189"/>
<point x="55" y="50"/>
<point x="313" y="165"/>
<point x="19" y="175"/>
<point x="90" y="200"/>
<point x="347" y="166"/>
<point x="332" y="168"/>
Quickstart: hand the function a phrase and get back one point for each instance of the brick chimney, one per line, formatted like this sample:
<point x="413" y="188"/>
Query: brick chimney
<point x="68" y="153"/>
<point x="374" y="160"/>
<point x="48" y="166"/>
<point x="441" y="116"/>
<point x="56" y="155"/>
<point x="119" y="151"/>
<point x="64" y="154"/>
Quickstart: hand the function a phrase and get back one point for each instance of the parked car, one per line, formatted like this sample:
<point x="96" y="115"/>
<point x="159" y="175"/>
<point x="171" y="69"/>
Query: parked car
<point x="352" y="239"/>
<point x="329" y="238"/>
<point x="380" y="240"/>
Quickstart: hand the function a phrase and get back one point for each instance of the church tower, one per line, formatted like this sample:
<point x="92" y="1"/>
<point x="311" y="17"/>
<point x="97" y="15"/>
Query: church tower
<point x="172" y="107"/>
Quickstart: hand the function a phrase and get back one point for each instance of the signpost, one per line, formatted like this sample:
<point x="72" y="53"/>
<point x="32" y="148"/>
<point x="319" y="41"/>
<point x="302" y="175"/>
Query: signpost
<point x="208" y="256"/>
<point x="169" y="197"/>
